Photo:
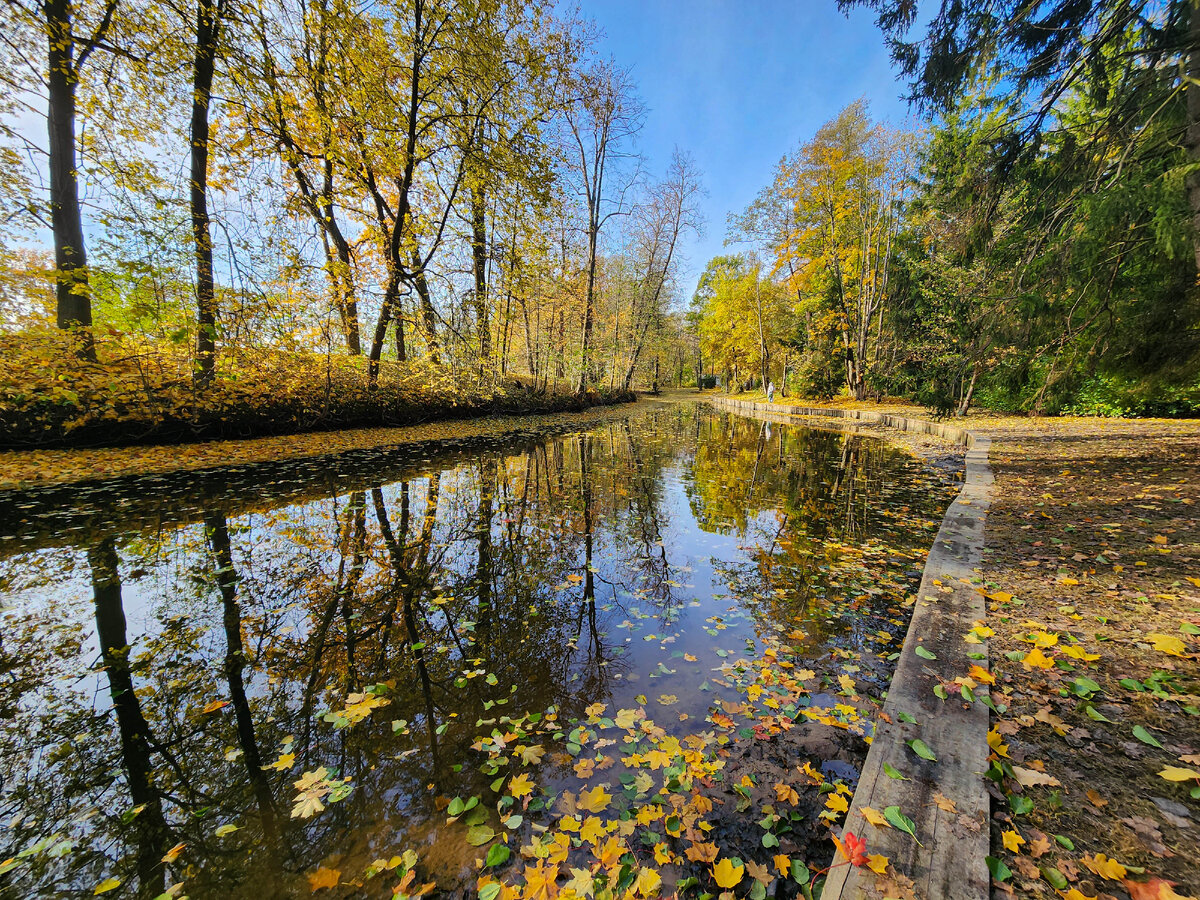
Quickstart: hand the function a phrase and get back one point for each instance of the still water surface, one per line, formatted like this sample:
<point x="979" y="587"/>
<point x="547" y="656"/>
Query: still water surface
<point x="262" y="681"/>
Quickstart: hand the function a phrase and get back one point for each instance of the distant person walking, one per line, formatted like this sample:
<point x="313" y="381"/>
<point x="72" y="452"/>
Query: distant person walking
<point x="771" y="392"/>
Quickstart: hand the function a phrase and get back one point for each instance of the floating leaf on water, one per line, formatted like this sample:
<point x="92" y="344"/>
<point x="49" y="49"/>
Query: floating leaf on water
<point x="478" y="835"/>
<point x="497" y="855"/>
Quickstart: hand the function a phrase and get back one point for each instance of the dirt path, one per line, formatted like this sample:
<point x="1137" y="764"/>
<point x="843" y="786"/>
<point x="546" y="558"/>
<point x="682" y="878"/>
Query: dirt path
<point x="1093" y="548"/>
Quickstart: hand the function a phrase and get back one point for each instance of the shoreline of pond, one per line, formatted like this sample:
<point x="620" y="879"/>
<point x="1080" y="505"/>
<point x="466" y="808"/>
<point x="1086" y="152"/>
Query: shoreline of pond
<point x="27" y="469"/>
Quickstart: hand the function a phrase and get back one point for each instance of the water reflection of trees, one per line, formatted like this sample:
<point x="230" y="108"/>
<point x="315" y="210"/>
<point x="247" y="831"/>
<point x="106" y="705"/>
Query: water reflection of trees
<point x="501" y="565"/>
<point x="831" y="521"/>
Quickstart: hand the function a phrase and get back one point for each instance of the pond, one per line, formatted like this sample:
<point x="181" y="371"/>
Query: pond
<point x="599" y="663"/>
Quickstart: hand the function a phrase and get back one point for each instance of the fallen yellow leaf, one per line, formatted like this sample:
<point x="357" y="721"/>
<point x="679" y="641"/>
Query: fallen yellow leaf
<point x="1177" y="773"/>
<point x="1165" y="643"/>
<point x="1012" y="841"/>
<point x="877" y="863"/>
<point x="727" y="875"/>
<point x="982" y="675"/>
<point x="1105" y="867"/>
<point x="875" y="817"/>
<point x="1036" y="659"/>
<point x="521" y="786"/>
<point x="596" y="800"/>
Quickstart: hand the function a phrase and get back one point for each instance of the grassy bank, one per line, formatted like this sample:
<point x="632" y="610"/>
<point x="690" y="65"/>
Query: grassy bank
<point x="139" y="394"/>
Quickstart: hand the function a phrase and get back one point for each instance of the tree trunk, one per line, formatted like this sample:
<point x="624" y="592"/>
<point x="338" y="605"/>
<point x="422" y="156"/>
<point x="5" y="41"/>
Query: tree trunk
<point x="72" y="289"/>
<point x="343" y="275"/>
<point x="965" y="405"/>
<point x="391" y="297"/>
<point x="589" y="306"/>
<point x="208" y="28"/>
<point x="217" y="530"/>
<point x="428" y="315"/>
<point x="479" y="256"/>
<point x="1193" y="129"/>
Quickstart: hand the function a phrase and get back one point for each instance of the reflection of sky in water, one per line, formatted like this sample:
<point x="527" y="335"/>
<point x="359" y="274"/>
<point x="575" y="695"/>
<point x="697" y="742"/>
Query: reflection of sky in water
<point x="708" y="534"/>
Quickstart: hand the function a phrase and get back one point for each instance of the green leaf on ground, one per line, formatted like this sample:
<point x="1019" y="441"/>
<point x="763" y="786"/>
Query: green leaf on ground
<point x="918" y="747"/>
<point x="1145" y="737"/>
<point x="901" y="822"/>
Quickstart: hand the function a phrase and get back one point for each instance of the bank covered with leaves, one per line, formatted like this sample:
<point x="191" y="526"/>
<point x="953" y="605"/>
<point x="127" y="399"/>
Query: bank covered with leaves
<point x="136" y="393"/>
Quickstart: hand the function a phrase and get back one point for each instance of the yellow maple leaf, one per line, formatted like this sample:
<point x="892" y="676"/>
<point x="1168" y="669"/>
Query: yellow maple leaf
<point x="520" y="786"/>
<point x="625" y="718"/>
<point x="532" y="755"/>
<point x="662" y="855"/>
<point x="877" y="863"/>
<point x="592" y="830"/>
<point x="284" y="762"/>
<point x="785" y="793"/>
<point x="1077" y="894"/>
<point x="783" y="863"/>
<point x="982" y="675"/>
<point x="727" y="875"/>
<point x="1012" y="841"/>
<point x="596" y="800"/>
<point x="540" y="882"/>
<point x="837" y="803"/>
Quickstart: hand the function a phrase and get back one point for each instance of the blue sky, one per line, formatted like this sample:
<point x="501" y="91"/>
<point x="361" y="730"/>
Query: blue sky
<point x="738" y="83"/>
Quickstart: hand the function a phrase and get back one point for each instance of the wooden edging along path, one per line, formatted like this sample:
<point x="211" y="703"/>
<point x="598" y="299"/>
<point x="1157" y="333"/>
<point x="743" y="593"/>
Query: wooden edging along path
<point x="945" y="798"/>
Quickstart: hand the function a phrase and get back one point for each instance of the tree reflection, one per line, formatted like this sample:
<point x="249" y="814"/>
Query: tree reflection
<point x="148" y="826"/>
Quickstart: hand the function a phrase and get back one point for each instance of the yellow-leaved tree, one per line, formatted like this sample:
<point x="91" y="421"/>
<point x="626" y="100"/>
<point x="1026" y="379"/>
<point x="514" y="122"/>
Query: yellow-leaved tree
<point x="840" y="199"/>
